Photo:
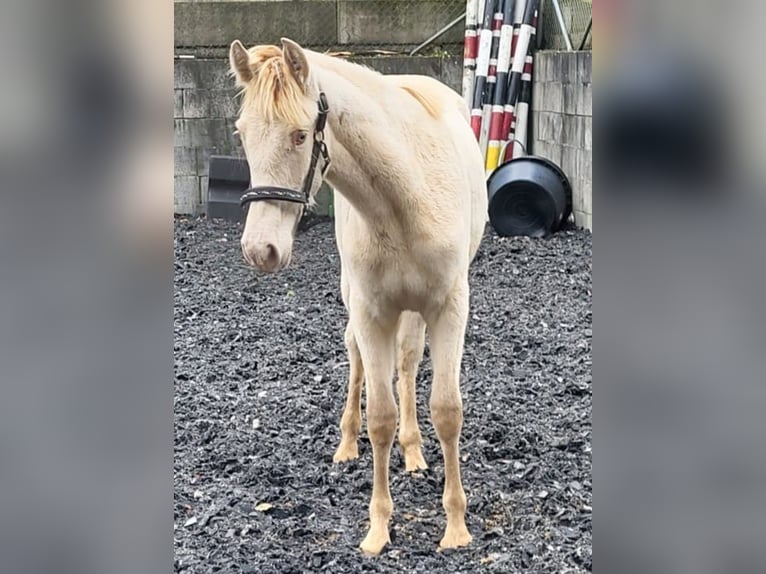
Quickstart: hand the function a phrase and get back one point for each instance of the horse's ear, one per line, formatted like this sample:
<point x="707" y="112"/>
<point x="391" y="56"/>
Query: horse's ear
<point x="295" y="61"/>
<point x="239" y="60"/>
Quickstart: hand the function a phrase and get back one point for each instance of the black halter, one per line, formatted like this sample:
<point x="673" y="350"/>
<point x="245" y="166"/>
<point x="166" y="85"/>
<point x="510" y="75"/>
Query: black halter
<point x="263" y="192"/>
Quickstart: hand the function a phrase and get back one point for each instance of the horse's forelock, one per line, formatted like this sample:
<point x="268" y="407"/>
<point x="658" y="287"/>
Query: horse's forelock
<point x="274" y="92"/>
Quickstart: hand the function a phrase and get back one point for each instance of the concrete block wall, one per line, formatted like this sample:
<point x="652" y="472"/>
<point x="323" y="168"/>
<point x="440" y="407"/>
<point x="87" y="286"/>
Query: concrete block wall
<point x="562" y="122"/>
<point x="206" y="107"/>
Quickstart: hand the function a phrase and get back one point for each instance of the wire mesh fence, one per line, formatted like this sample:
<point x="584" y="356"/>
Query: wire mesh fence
<point x="576" y="16"/>
<point x="339" y="25"/>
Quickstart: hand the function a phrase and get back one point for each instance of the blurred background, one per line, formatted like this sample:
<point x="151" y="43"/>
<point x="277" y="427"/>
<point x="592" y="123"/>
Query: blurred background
<point x="85" y="300"/>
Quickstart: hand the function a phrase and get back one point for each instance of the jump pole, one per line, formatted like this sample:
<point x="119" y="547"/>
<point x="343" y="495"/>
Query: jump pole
<point x="501" y="87"/>
<point x="517" y="67"/>
<point x="489" y="92"/>
<point x="508" y="108"/>
<point x="522" y="111"/>
<point x="482" y="68"/>
<point x="470" y="49"/>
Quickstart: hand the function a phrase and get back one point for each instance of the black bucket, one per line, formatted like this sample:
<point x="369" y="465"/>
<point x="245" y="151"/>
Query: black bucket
<point x="530" y="196"/>
<point x="228" y="178"/>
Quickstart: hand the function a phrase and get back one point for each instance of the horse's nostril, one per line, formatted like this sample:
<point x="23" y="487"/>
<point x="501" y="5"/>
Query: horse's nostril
<point x="270" y="256"/>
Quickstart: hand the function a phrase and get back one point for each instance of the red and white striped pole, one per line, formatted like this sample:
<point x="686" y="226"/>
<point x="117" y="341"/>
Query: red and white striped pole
<point x="508" y="108"/>
<point x="522" y="111"/>
<point x="503" y="65"/>
<point x="517" y="67"/>
<point x="482" y="68"/>
<point x="470" y="49"/>
<point x="489" y="92"/>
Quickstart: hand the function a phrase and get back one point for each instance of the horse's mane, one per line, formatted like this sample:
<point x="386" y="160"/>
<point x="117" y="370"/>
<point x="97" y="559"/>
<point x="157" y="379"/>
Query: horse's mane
<point x="427" y="100"/>
<point x="273" y="90"/>
<point x="276" y="93"/>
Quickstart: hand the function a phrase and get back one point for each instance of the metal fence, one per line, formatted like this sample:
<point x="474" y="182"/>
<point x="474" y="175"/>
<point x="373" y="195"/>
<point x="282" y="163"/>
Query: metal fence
<point x="573" y="21"/>
<point x="340" y="25"/>
<point x="358" y="26"/>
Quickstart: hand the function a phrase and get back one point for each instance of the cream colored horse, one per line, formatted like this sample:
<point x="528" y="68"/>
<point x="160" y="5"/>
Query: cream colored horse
<point x="410" y="211"/>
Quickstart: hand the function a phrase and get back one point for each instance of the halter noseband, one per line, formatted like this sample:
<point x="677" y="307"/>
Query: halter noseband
<point x="264" y="192"/>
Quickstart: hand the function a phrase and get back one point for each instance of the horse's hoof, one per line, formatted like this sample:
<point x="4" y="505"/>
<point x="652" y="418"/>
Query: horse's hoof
<point x="374" y="542"/>
<point x="346" y="452"/>
<point x="414" y="461"/>
<point x="455" y="538"/>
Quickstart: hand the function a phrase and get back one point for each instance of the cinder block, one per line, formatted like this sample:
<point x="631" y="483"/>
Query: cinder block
<point x="220" y="23"/>
<point x="398" y="22"/>
<point x="186" y="197"/>
<point x="196" y="103"/>
<point x="585" y="66"/>
<point x="587" y="132"/>
<point x="550" y="150"/>
<point x="556" y="70"/>
<point x="182" y="133"/>
<point x="203" y="185"/>
<point x="211" y="103"/>
<point x="584" y="101"/>
<point x="534" y="123"/>
<point x="203" y="158"/>
<point x="202" y="132"/>
<point x="199" y="73"/>
<point x="550" y="127"/>
<point x="576" y="196"/>
<point x="178" y="103"/>
<point x="571" y="130"/>
<point x="570" y="68"/>
<point x="537" y="96"/>
<point x="585" y="164"/>
<point x="185" y="161"/>
<point x="586" y="193"/>
<point x="542" y="69"/>
<point x="569" y="98"/>
<point x="569" y="162"/>
<point x="553" y="97"/>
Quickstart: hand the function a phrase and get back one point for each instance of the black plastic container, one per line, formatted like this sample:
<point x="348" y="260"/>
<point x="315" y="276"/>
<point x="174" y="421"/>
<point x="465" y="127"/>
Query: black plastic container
<point x="228" y="178"/>
<point x="529" y="196"/>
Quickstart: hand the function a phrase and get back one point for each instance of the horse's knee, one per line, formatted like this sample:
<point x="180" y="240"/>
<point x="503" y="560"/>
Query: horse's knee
<point x="447" y="417"/>
<point x="381" y="426"/>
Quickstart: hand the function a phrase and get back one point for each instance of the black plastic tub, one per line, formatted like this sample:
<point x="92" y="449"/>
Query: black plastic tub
<point x="529" y="196"/>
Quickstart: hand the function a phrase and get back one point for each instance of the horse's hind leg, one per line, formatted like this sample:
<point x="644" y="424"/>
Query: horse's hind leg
<point x="446" y="328"/>
<point x="410" y="342"/>
<point x="351" y="421"/>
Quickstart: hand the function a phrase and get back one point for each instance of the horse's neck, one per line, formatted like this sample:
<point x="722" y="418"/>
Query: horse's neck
<point x="372" y="164"/>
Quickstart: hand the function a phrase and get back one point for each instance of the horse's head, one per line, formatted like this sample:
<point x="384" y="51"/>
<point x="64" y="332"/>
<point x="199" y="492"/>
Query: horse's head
<point x="276" y="126"/>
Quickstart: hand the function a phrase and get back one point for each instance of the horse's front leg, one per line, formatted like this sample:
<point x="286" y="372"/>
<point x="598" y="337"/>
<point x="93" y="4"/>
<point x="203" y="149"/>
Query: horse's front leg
<point x="375" y="337"/>
<point x="351" y="421"/>
<point x="447" y="331"/>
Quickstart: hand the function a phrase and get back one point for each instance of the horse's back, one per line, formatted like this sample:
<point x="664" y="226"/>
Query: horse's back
<point x="432" y="90"/>
<point x="456" y="117"/>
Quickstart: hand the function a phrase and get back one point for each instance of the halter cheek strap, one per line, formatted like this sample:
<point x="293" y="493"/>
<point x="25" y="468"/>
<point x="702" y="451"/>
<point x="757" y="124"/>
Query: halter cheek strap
<point x="264" y="192"/>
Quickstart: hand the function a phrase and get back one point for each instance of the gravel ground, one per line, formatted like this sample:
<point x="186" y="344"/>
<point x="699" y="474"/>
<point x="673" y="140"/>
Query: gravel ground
<point x="260" y="380"/>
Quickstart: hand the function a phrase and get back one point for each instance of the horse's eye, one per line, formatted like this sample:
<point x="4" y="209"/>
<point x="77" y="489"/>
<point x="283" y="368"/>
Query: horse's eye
<point x="298" y="137"/>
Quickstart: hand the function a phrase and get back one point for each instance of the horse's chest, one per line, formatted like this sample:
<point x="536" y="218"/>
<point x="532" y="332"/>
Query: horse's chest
<point x="408" y="279"/>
